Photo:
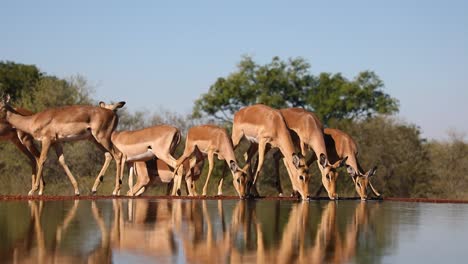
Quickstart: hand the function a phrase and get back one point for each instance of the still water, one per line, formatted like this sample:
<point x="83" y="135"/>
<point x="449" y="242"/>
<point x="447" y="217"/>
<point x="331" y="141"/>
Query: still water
<point x="230" y="231"/>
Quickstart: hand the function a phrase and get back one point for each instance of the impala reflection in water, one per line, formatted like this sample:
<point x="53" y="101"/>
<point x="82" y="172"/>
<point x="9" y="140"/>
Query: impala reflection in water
<point x="229" y="231"/>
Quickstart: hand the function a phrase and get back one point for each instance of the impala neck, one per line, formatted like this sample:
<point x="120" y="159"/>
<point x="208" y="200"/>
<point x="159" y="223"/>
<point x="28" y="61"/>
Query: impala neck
<point x="286" y="147"/>
<point x="352" y="161"/>
<point x="227" y="151"/>
<point x="319" y="147"/>
<point x="19" y="121"/>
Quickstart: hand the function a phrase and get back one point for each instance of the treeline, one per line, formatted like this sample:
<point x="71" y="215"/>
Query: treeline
<point x="408" y="165"/>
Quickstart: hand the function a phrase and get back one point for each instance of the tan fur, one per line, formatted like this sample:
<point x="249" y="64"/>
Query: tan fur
<point x="69" y="123"/>
<point x="266" y="126"/>
<point x="143" y="145"/>
<point x="341" y="145"/>
<point x="22" y="141"/>
<point x="307" y="130"/>
<point x="211" y="140"/>
<point x="156" y="140"/>
<point x="157" y="171"/>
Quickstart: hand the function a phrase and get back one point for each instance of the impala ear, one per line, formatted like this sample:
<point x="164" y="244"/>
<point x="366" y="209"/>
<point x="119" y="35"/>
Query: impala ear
<point x="296" y="160"/>
<point x="351" y="171"/>
<point x="119" y="104"/>
<point x="371" y="172"/>
<point x="233" y="166"/>
<point x="343" y="161"/>
<point x="323" y="160"/>
<point x="102" y="104"/>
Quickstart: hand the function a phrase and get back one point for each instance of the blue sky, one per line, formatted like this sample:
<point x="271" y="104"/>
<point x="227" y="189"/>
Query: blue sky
<point x="156" y="54"/>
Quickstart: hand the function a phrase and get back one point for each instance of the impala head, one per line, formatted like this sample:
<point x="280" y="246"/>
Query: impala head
<point x="361" y="181"/>
<point x="330" y="174"/>
<point x="112" y="107"/>
<point x="239" y="177"/>
<point x="302" y="177"/>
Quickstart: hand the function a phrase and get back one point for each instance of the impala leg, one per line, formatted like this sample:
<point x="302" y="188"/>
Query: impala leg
<point x="103" y="140"/>
<point x="210" y="169"/>
<point x="253" y="149"/>
<point x="191" y="187"/>
<point x="170" y="186"/>
<point x="188" y="151"/>
<point x="32" y="161"/>
<point x="100" y="177"/>
<point x="59" y="151"/>
<point x="189" y="178"/>
<point x="221" y="180"/>
<point x="40" y="165"/>
<point x="261" y="158"/>
<point x="142" y="178"/>
<point x="142" y="190"/>
<point x="130" y="179"/>
<point x="178" y="181"/>
<point x="276" y="158"/>
<point x="293" y="183"/>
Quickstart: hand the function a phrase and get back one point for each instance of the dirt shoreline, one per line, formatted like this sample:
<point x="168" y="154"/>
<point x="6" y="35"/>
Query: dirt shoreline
<point x="106" y="197"/>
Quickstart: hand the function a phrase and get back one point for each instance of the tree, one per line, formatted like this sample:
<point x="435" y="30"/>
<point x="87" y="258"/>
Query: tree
<point x="289" y="83"/>
<point x="17" y="79"/>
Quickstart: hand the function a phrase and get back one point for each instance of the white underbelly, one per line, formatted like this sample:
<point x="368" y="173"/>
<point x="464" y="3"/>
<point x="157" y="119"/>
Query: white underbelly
<point x="141" y="157"/>
<point x="74" y="137"/>
<point x="252" y="139"/>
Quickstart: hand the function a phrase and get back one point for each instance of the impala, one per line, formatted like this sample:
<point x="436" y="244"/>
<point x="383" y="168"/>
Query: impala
<point x="139" y="146"/>
<point x="262" y="126"/>
<point x="307" y="134"/>
<point x="22" y="141"/>
<point x="210" y="140"/>
<point x="68" y="123"/>
<point x="339" y="145"/>
<point x="157" y="170"/>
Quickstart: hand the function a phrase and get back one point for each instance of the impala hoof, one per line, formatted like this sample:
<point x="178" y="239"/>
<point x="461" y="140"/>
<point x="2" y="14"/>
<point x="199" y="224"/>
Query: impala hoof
<point x="31" y="193"/>
<point x="179" y="192"/>
<point x="77" y="194"/>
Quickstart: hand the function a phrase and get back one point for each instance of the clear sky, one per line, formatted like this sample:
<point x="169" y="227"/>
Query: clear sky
<point x="156" y="54"/>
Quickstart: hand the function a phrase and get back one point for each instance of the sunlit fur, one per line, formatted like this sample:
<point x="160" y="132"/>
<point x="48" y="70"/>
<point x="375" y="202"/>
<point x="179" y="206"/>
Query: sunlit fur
<point x="340" y="145"/>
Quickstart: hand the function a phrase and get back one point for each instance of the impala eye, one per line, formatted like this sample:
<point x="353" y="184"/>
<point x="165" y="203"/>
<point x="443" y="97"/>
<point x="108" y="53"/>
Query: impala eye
<point x="328" y="177"/>
<point x="238" y="180"/>
<point x="301" y="178"/>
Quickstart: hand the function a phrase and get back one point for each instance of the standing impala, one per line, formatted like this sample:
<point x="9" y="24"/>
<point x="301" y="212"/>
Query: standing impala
<point x="339" y="145"/>
<point x="264" y="125"/>
<point x="307" y="134"/>
<point x="210" y="140"/>
<point x="142" y="145"/>
<point x="21" y="140"/>
<point x="68" y="123"/>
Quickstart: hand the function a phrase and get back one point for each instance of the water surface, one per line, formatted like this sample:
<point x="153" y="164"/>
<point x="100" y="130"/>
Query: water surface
<point x="231" y="231"/>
